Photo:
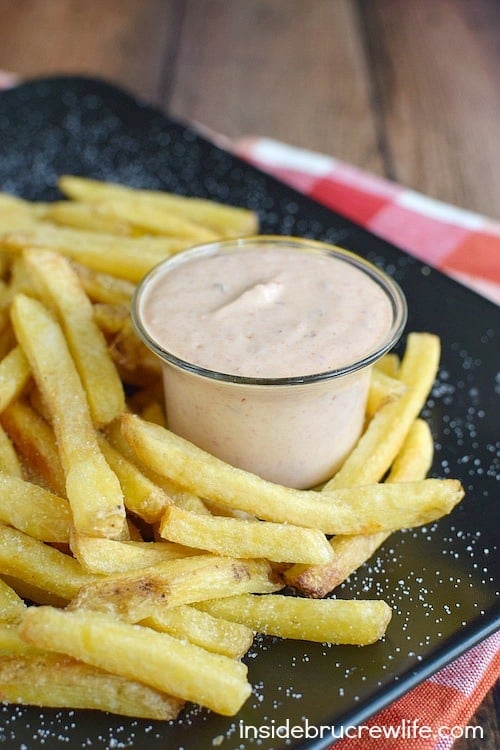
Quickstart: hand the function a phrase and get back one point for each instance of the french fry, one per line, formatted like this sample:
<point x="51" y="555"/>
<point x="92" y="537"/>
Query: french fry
<point x="379" y="445"/>
<point x="350" y="552"/>
<point x="356" y="622"/>
<point x="111" y="318"/>
<point x="40" y="565"/>
<point x="102" y="287"/>
<point x="137" y="595"/>
<point x="61" y="290"/>
<point x="9" y="462"/>
<point x="84" y="216"/>
<point x="178" y="668"/>
<point x="144" y="215"/>
<point x="383" y="389"/>
<point x="15" y="374"/>
<point x="35" y="441"/>
<point x="388" y="365"/>
<point x="12" y="607"/>
<point x="11" y="644"/>
<point x="93" y="490"/>
<point x="126" y="257"/>
<point x="108" y="556"/>
<point x="227" y="221"/>
<point x="49" y="679"/>
<point x="136" y="363"/>
<point x="355" y="510"/>
<point x="238" y="537"/>
<point x="141" y="496"/>
<point x="33" y="510"/>
<point x="211" y="633"/>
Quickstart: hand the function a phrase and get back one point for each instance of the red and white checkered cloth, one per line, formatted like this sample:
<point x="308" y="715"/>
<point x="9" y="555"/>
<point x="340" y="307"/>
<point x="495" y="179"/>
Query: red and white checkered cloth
<point x="460" y="243"/>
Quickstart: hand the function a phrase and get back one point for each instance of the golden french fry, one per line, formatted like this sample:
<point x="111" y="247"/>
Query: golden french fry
<point x="178" y="668"/>
<point x="33" y="510"/>
<point x="136" y="595"/>
<point x="136" y="363"/>
<point x="40" y="565"/>
<point x="93" y="490"/>
<point x="15" y="373"/>
<point x="141" y="496"/>
<point x="227" y="221"/>
<point x="388" y="365"/>
<point x="12" y="606"/>
<point x="354" y="510"/>
<point x="356" y="622"/>
<point x="383" y="389"/>
<point x="411" y="464"/>
<point x="35" y="441"/>
<point x="49" y="679"/>
<point x="84" y="216"/>
<point x="384" y="436"/>
<point x="237" y="537"/>
<point x="61" y="290"/>
<point x="126" y="257"/>
<point x="108" y="556"/>
<point x="211" y="633"/>
<point x="102" y="287"/>
<point x="9" y="462"/>
<point x="111" y="318"/>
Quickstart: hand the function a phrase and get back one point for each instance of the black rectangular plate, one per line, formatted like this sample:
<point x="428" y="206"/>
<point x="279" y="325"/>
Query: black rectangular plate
<point x="441" y="580"/>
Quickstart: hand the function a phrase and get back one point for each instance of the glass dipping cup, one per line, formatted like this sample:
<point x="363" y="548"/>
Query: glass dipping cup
<point x="295" y="431"/>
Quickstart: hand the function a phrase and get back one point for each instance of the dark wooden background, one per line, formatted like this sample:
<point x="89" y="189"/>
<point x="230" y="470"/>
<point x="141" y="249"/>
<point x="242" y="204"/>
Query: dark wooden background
<point x="408" y="89"/>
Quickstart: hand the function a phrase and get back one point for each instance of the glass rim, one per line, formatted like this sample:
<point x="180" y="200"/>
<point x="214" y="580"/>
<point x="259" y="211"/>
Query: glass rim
<point x="386" y="282"/>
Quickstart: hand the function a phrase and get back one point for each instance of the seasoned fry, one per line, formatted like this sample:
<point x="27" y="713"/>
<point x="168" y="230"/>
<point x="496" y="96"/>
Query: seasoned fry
<point x="126" y="257"/>
<point x="40" y="565"/>
<point x="48" y="679"/>
<point x="136" y="363"/>
<point x="9" y="462"/>
<point x="388" y="365"/>
<point x="137" y="595"/>
<point x="178" y="668"/>
<point x="102" y="287"/>
<point x="356" y="622"/>
<point x="411" y="464"/>
<point x="84" y="216"/>
<point x="15" y="374"/>
<point x="111" y="318"/>
<point x="211" y="633"/>
<point x="379" y="445"/>
<point x="35" y="441"/>
<point x="12" y="607"/>
<point x="383" y="389"/>
<point x="33" y="510"/>
<point x="228" y="221"/>
<point x="92" y="488"/>
<point x="61" y="290"/>
<point x="356" y="510"/>
<point x="108" y="556"/>
<point x="241" y="538"/>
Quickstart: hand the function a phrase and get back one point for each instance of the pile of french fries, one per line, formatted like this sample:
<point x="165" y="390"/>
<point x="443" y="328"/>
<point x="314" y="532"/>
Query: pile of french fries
<point x="135" y="568"/>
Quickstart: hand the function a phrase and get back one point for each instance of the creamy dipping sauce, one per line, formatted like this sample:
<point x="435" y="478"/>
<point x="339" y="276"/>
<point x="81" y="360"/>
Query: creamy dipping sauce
<point x="267" y="312"/>
<point x="267" y="345"/>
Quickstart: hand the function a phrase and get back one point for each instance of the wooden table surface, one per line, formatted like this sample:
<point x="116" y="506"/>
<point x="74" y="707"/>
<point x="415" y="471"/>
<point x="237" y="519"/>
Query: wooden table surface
<point x="408" y="89"/>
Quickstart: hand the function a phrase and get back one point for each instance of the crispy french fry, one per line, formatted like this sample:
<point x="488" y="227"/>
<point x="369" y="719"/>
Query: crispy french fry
<point x="411" y="464"/>
<point x="40" y="565"/>
<point x="126" y="257"/>
<point x="12" y="606"/>
<point x="49" y="679"/>
<point x="356" y="622"/>
<point x="61" y="290"/>
<point x="178" y="668"/>
<point x="141" y="496"/>
<point x="35" y="441"/>
<point x="84" y="216"/>
<point x="111" y="318"/>
<point x="211" y="633"/>
<point x="383" y="389"/>
<point x="228" y="221"/>
<point x="102" y="287"/>
<point x="33" y="510"/>
<point x="9" y="462"/>
<point x="11" y="644"/>
<point x="136" y="363"/>
<point x="237" y="537"/>
<point x="135" y="596"/>
<point x="15" y="373"/>
<point x="388" y="365"/>
<point x="108" y="556"/>
<point x="379" y="445"/>
<point x="92" y="488"/>
<point x="355" y="510"/>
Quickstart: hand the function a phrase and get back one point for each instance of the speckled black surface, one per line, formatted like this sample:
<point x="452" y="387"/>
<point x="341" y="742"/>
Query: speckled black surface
<point x="442" y="580"/>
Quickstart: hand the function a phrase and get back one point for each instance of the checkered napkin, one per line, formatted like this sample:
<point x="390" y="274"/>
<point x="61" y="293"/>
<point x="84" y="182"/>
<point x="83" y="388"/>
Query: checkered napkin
<point x="466" y="246"/>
